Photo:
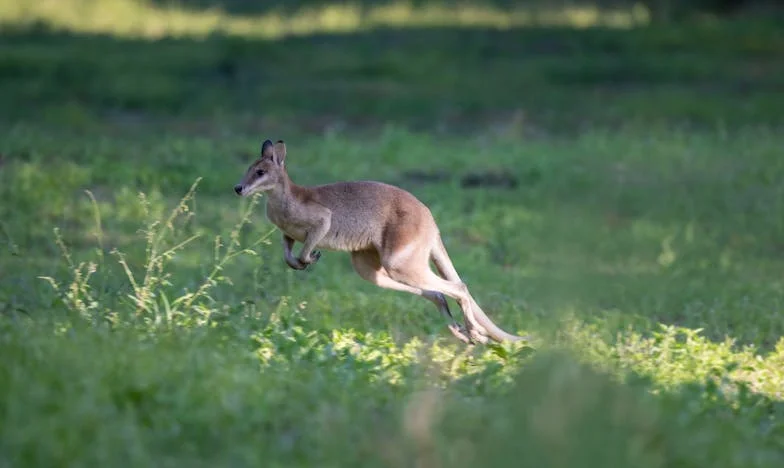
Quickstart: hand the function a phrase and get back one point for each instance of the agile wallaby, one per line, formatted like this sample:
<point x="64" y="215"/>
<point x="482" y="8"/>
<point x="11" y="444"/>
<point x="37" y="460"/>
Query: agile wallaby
<point x="391" y="235"/>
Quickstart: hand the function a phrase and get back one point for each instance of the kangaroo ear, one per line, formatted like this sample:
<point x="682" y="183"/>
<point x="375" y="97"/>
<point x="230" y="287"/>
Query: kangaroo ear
<point x="266" y="149"/>
<point x="279" y="152"/>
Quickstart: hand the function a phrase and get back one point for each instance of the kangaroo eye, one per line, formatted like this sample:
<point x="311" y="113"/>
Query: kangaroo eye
<point x="260" y="172"/>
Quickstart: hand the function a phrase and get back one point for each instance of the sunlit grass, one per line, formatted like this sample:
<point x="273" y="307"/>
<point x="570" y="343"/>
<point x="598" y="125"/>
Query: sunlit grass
<point x="313" y="358"/>
<point x="644" y="259"/>
<point x="139" y="18"/>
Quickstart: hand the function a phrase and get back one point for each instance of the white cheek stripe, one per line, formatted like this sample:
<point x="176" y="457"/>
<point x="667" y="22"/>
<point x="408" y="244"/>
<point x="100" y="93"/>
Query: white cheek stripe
<point x="253" y="186"/>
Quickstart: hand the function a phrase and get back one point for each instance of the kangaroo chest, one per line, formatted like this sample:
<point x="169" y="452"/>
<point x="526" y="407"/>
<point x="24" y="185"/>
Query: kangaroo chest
<point x="288" y="219"/>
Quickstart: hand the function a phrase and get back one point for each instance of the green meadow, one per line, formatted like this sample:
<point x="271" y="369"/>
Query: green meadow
<point x="608" y="186"/>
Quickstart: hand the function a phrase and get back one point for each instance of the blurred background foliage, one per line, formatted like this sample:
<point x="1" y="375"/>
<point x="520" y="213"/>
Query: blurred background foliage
<point x="607" y="177"/>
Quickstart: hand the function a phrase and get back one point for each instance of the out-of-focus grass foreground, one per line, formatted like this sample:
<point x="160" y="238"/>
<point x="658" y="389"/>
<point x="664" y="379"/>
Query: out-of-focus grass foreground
<point x="607" y="179"/>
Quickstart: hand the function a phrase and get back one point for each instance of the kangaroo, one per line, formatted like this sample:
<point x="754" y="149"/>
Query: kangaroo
<point x="391" y="235"/>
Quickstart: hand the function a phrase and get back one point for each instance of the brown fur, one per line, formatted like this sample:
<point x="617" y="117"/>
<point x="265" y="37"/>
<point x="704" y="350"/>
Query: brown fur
<point x="391" y="235"/>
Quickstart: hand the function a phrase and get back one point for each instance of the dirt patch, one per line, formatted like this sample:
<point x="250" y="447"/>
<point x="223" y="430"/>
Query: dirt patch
<point x="489" y="179"/>
<point x="425" y="177"/>
<point x="493" y="179"/>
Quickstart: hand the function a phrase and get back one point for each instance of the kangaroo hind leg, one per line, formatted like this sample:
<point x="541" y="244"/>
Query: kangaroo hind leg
<point x="410" y="265"/>
<point x="368" y="265"/>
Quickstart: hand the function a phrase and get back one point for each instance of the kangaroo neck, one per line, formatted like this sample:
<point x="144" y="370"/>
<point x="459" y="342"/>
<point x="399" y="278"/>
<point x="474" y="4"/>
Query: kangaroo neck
<point x="282" y="195"/>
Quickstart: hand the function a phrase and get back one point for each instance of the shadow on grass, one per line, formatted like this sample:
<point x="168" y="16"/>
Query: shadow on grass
<point x="562" y="413"/>
<point x="447" y="78"/>
<point x="658" y="9"/>
<point x="244" y="7"/>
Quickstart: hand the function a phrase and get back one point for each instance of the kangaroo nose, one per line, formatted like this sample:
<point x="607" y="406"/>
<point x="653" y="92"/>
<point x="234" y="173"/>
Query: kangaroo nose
<point x="238" y="189"/>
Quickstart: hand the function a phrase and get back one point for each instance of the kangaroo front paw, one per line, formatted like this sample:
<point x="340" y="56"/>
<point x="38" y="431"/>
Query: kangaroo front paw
<point x="460" y="333"/>
<point x="314" y="257"/>
<point x="478" y="336"/>
<point x="295" y="264"/>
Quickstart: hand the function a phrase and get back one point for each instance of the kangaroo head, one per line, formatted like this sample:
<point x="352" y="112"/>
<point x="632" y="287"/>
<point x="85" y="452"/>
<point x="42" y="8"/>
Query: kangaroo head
<point x="265" y="173"/>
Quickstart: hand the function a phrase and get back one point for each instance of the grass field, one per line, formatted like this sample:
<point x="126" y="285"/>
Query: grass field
<point x="615" y="193"/>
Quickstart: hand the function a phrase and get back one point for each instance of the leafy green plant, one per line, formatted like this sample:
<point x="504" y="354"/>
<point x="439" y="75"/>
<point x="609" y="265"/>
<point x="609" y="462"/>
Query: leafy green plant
<point x="154" y="301"/>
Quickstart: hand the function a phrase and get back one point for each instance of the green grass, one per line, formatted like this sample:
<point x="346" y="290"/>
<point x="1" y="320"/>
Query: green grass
<point x="641" y="247"/>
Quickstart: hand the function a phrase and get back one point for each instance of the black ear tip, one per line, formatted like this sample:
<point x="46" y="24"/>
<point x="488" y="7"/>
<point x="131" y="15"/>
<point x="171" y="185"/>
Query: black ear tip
<point x="281" y="141"/>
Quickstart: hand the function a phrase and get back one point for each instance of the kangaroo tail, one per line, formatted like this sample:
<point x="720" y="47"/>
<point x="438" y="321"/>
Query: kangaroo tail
<point x="447" y="271"/>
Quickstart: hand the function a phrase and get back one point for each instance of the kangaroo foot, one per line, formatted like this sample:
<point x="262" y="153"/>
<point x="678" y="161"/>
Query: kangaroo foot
<point x="460" y="333"/>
